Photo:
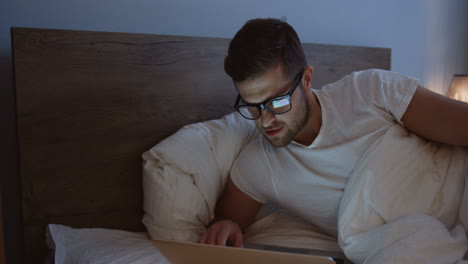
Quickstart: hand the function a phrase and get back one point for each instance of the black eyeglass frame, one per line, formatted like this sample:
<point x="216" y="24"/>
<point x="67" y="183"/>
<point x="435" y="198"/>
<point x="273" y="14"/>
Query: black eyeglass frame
<point x="262" y="105"/>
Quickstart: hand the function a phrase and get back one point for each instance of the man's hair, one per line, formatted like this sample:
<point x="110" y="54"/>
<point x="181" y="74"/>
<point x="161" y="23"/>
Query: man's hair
<point x="263" y="43"/>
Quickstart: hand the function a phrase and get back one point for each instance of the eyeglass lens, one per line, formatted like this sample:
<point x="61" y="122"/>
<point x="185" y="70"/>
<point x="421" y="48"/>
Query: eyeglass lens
<point x="275" y="106"/>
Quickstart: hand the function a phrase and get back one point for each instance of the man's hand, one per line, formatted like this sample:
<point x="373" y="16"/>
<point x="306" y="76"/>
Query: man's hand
<point x="222" y="233"/>
<point x="240" y="209"/>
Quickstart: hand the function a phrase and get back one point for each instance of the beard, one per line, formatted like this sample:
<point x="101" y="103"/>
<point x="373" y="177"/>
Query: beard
<point x="289" y="129"/>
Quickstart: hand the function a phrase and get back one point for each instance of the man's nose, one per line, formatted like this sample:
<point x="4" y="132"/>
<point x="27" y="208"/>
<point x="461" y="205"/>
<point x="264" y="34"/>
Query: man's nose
<point x="266" y="118"/>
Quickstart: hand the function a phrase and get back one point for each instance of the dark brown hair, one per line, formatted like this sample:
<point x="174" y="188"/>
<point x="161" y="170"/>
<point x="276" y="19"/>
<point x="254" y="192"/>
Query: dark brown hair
<point x="260" y="44"/>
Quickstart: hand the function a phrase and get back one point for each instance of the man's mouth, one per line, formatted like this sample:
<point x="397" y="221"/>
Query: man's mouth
<point x="273" y="132"/>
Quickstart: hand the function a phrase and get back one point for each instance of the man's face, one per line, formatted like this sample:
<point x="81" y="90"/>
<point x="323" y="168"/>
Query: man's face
<point x="280" y="129"/>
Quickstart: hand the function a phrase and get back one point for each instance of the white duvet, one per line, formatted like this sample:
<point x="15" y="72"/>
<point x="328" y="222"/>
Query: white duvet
<point x="404" y="203"/>
<point x="400" y="205"/>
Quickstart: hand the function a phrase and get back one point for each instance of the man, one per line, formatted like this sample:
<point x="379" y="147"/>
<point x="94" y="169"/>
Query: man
<point x="312" y="139"/>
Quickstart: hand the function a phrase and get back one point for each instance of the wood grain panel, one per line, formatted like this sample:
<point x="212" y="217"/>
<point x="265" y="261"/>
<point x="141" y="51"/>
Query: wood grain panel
<point x="90" y="103"/>
<point x="332" y="62"/>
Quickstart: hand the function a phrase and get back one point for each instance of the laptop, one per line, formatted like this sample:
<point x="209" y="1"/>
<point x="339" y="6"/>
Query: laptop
<point x="184" y="252"/>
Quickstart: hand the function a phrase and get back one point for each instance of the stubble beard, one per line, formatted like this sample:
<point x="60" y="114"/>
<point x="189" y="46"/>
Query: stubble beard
<point x="293" y="129"/>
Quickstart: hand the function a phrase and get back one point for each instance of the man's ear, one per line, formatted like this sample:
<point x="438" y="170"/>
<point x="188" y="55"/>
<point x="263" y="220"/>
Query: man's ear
<point x="307" y="77"/>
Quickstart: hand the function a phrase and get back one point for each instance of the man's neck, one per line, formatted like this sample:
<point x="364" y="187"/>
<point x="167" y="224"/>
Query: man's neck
<point x="313" y="125"/>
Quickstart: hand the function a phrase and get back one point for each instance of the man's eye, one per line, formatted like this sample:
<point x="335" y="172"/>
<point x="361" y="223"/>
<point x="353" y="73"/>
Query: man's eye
<point x="280" y="103"/>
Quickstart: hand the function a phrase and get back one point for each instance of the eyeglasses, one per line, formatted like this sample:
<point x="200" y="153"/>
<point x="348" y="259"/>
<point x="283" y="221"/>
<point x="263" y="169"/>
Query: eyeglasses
<point x="277" y="105"/>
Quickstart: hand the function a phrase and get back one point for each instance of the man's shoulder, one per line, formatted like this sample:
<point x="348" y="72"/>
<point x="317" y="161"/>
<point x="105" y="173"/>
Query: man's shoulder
<point x="367" y="75"/>
<point x="362" y="81"/>
<point x="257" y="146"/>
<point x="259" y="150"/>
<point x="376" y="75"/>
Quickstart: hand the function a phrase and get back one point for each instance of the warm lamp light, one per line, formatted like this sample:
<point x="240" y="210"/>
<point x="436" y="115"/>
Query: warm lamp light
<point x="459" y="88"/>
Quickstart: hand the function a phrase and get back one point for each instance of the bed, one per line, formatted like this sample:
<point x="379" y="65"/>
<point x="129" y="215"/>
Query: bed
<point x="90" y="103"/>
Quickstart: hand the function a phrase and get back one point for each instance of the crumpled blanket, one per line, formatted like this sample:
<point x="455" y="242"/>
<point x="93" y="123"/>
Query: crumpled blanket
<point x="406" y="201"/>
<point x="401" y="203"/>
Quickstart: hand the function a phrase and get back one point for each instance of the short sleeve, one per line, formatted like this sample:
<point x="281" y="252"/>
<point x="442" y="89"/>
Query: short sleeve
<point x="250" y="173"/>
<point x="385" y="89"/>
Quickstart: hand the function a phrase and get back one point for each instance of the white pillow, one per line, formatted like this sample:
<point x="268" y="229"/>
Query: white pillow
<point x="102" y="246"/>
<point x="184" y="175"/>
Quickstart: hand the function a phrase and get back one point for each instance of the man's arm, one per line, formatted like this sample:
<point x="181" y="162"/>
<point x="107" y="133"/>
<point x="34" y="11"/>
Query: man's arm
<point x="234" y="212"/>
<point x="237" y="206"/>
<point x="437" y="117"/>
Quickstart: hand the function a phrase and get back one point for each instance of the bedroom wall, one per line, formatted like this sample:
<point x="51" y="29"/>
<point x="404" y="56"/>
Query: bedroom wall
<point x="429" y="40"/>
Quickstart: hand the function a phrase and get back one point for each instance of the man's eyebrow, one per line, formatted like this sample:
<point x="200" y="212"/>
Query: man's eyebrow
<point x="268" y="99"/>
<point x="257" y="103"/>
<point x="264" y="101"/>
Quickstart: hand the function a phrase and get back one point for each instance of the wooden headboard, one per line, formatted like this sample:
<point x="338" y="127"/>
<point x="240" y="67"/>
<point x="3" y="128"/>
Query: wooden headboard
<point x="90" y="103"/>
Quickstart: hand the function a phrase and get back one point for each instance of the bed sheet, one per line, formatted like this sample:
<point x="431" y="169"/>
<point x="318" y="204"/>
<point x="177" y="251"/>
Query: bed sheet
<point x="98" y="245"/>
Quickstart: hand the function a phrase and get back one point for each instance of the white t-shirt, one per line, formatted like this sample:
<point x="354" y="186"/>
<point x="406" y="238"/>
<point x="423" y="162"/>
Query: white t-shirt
<point x="308" y="181"/>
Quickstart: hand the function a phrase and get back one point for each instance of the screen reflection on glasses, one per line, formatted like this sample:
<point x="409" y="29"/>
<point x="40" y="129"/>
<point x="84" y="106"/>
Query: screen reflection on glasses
<point x="277" y="105"/>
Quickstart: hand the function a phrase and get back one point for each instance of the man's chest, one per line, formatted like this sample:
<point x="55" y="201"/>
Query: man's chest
<point x="309" y="182"/>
